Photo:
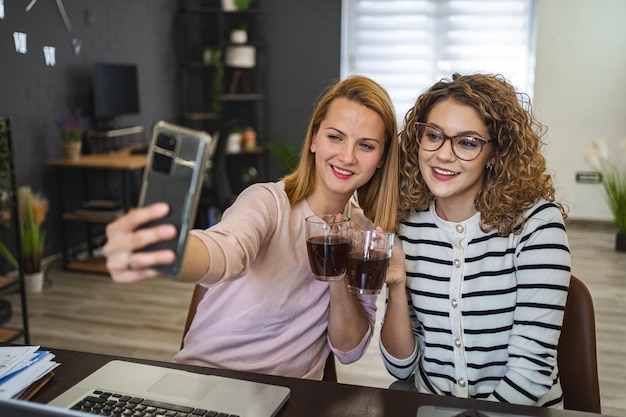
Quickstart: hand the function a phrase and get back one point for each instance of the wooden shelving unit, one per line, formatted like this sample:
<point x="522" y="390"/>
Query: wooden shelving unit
<point x="9" y="334"/>
<point x="210" y="99"/>
<point x="123" y="161"/>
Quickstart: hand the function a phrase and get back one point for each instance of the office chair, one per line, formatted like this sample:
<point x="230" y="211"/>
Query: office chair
<point x="330" y="371"/>
<point x="576" y="351"/>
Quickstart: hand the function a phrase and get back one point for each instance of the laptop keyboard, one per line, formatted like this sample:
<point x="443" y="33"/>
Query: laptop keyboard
<point x="108" y="403"/>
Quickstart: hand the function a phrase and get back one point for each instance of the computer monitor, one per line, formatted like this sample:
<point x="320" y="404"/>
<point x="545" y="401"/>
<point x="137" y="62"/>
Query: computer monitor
<point x="116" y="93"/>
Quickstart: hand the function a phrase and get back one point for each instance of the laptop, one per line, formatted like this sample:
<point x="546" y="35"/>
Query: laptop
<point x="161" y="386"/>
<point x="22" y="408"/>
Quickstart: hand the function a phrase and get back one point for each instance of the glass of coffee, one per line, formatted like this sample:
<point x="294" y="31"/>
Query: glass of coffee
<point x="370" y="253"/>
<point x="328" y="244"/>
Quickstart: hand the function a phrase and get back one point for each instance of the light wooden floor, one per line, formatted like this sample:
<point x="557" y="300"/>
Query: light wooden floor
<point x="90" y="313"/>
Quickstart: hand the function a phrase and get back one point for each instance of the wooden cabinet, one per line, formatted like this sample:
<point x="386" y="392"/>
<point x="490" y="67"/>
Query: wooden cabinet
<point x="222" y="79"/>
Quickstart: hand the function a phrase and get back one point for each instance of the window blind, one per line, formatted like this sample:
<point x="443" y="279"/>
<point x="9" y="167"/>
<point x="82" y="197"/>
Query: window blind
<point x="407" y="45"/>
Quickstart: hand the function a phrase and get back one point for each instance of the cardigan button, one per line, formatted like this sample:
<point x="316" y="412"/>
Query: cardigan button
<point x="461" y="382"/>
<point x="459" y="228"/>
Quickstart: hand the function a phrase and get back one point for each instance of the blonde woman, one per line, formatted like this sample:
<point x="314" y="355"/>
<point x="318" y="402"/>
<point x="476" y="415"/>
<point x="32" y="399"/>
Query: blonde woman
<point x="263" y="311"/>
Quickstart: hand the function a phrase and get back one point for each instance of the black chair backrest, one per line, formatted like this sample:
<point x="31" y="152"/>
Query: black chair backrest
<point x="576" y="351"/>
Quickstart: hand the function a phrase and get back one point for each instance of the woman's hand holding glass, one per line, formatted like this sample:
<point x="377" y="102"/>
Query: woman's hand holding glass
<point x="369" y="258"/>
<point x="328" y="245"/>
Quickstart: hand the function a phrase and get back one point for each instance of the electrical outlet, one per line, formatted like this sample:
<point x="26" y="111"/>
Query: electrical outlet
<point x="588" y="177"/>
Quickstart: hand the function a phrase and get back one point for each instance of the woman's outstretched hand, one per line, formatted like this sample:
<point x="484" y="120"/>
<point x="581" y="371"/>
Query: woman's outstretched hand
<point x="124" y="259"/>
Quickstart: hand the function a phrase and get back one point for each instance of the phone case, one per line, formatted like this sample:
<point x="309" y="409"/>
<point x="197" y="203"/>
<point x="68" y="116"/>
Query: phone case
<point x="177" y="159"/>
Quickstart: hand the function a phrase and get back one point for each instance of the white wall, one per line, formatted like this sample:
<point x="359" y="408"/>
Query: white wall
<point x="580" y="91"/>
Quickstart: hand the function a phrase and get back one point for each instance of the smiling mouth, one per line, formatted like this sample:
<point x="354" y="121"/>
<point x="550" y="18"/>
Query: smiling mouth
<point x="444" y="172"/>
<point x="342" y="172"/>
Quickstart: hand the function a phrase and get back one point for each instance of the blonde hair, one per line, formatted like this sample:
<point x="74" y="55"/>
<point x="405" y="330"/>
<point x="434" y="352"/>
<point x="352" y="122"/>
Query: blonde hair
<point x="378" y="197"/>
<point x="518" y="178"/>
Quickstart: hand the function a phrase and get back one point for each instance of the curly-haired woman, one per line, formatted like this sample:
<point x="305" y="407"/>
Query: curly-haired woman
<point x="486" y="260"/>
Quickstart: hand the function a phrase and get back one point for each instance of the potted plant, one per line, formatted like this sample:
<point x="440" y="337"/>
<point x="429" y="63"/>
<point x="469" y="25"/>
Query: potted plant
<point x="213" y="59"/>
<point x="239" y="33"/>
<point x="235" y="5"/>
<point x="613" y="180"/>
<point x="32" y="212"/>
<point x="71" y="128"/>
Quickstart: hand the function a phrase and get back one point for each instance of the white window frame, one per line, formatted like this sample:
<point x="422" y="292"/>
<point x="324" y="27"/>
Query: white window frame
<point x="383" y="38"/>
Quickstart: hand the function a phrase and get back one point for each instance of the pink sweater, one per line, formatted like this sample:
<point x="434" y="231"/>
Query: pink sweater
<point x="267" y="313"/>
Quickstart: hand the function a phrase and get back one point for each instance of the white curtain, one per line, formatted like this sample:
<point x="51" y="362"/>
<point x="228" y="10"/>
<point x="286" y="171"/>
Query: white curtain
<point x="407" y="45"/>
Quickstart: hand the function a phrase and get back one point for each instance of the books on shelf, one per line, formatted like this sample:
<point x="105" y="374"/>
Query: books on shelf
<point x="24" y="370"/>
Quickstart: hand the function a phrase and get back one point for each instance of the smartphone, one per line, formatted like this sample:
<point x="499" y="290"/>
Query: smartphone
<point x="176" y="164"/>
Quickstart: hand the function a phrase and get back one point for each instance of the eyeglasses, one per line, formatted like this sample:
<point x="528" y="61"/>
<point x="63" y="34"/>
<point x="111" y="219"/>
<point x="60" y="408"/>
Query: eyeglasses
<point x="464" y="147"/>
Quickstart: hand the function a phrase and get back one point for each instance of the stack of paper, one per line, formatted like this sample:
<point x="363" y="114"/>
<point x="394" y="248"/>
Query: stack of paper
<point x="21" y="367"/>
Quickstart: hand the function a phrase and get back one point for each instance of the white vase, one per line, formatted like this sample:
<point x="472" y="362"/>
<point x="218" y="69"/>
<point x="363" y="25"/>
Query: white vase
<point x="240" y="56"/>
<point x="34" y="282"/>
<point x="229" y="5"/>
<point x="238" y="36"/>
<point x="233" y="143"/>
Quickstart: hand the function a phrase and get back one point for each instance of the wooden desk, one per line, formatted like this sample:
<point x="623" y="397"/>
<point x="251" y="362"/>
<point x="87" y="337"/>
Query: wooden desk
<point x="308" y="398"/>
<point x="122" y="161"/>
<point x="114" y="160"/>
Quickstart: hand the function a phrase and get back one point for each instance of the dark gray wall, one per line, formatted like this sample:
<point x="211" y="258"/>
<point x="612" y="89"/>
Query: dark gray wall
<point x="303" y="55"/>
<point x="303" y="59"/>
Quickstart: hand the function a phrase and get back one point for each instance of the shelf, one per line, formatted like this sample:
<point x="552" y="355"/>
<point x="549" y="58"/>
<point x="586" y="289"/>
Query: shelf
<point x="242" y="97"/>
<point x="8" y="334"/>
<point x="6" y="282"/>
<point x="131" y="130"/>
<point x="92" y="218"/>
<point x="115" y="160"/>
<point x="246" y="151"/>
<point x="200" y="116"/>
<point x="93" y="211"/>
<point x="93" y="264"/>
<point x="216" y="10"/>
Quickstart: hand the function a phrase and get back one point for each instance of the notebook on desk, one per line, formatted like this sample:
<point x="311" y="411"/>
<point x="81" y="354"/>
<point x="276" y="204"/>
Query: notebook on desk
<point x="162" y="387"/>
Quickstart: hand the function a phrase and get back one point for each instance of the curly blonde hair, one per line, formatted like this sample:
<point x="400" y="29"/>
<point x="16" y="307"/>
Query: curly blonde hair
<point x="518" y="177"/>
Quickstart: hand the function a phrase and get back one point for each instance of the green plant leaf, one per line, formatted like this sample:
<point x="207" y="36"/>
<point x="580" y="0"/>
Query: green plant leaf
<point x="285" y="153"/>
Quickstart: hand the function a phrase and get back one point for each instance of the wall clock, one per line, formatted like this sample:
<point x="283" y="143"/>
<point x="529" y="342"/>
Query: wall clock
<point x="66" y="20"/>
